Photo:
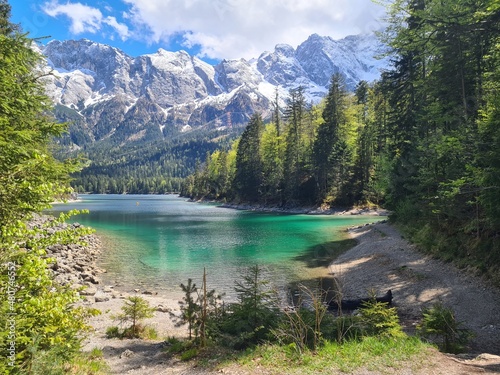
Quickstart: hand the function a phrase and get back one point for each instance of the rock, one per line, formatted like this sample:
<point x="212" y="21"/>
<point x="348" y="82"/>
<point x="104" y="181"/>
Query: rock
<point x="162" y="309"/>
<point x="78" y="268"/>
<point x="89" y="291"/>
<point x="100" y="296"/>
<point x="148" y="292"/>
<point x="90" y="278"/>
<point x="76" y="286"/>
<point x="127" y="353"/>
<point x="487" y="356"/>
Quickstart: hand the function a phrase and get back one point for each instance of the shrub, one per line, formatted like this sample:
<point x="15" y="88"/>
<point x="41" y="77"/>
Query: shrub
<point x="175" y="345"/>
<point x="440" y="326"/>
<point x="345" y="328"/>
<point x="252" y="319"/>
<point x="303" y="327"/>
<point x="150" y="333"/>
<point x="134" y="310"/>
<point x="113" y="332"/>
<point x="376" y="319"/>
<point x="189" y="354"/>
<point x="45" y="314"/>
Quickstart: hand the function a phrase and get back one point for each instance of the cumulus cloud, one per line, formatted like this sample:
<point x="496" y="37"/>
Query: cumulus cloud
<point x="244" y="28"/>
<point x="120" y="28"/>
<point x="84" y="18"/>
<point x="219" y="28"/>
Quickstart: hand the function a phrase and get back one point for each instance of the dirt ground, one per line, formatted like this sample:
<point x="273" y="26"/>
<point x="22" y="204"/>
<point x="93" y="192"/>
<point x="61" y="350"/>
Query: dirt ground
<point x="382" y="260"/>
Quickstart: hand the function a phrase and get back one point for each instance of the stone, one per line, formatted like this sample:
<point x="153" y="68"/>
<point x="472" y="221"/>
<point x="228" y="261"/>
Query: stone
<point x="127" y="353"/>
<point x="163" y="309"/>
<point x="94" y="280"/>
<point x="89" y="291"/>
<point x="100" y="296"/>
<point x="78" y="268"/>
<point x="76" y="286"/>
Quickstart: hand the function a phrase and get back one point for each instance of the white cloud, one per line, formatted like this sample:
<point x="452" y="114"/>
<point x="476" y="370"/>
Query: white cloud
<point x="84" y="18"/>
<point x="120" y="28"/>
<point x="244" y="28"/>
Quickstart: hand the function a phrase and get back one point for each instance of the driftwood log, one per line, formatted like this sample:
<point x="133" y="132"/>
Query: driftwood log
<point x="354" y="304"/>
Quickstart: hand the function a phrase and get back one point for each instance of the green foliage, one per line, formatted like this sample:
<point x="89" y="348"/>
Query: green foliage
<point x="44" y="312"/>
<point x="200" y="309"/>
<point x="376" y="319"/>
<point x="135" y="309"/>
<point x="44" y="324"/>
<point x="285" y="162"/>
<point x="55" y="362"/>
<point x="147" y="166"/>
<point x="30" y="177"/>
<point x="439" y="324"/>
<point x="190" y="309"/>
<point x="329" y="147"/>
<point x="188" y="349"/>
<point x="356" y="356"/>
<point x="441" y="117"/>
<point x="178" y="346"/>
<point x="302" y="328"/>
<point x="248" y="321"/>
<point x="113" y="332"/>
<point x="247" y="179"/>
<point x="189" y="354"/>
<point x="150" y="333"/>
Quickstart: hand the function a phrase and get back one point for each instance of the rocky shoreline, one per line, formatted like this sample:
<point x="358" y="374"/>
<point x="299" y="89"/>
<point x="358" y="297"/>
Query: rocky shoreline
<point x="313" y="210"/>
<point x="73" y="265"/>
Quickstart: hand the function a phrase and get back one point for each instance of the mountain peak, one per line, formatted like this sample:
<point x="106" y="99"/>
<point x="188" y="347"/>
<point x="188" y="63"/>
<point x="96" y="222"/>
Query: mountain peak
<point x="184" y="90"/>
<point x="285" y="49"/>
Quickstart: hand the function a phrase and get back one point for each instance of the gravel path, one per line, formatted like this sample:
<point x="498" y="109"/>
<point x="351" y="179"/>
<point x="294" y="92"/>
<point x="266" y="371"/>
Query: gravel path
<point x="383" y="260"/>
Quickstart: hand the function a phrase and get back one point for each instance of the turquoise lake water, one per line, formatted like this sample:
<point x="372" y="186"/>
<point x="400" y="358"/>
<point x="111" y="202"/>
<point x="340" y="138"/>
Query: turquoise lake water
<point x="159" y="241"/>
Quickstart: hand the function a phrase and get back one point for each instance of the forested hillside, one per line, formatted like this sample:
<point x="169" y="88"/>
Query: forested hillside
<point x="158" y="166"/>
<point x="423" y="141"/>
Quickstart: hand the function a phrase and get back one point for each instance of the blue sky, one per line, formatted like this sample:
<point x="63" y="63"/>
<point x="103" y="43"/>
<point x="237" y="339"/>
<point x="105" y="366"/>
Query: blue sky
<point x="210" y="29"/>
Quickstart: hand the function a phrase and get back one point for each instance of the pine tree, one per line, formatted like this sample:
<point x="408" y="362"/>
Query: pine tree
<point x="329" y="148"/>
<point x="294" y="114"/>
<point x="248" y="178"/>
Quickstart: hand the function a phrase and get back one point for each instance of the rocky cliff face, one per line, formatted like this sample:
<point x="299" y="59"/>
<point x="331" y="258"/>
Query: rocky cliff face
<point x="110" y="95"/>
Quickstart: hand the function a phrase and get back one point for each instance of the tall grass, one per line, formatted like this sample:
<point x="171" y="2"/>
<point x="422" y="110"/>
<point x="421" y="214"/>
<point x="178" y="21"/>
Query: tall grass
<point x="371" y="353"/>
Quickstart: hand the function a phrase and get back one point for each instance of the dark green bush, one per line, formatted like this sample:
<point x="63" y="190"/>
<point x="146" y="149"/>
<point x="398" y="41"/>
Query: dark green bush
<point x="439" y="325"/>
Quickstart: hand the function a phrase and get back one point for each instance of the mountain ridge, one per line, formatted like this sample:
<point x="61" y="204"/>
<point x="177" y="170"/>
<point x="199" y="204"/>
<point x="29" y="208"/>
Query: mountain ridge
<point x="185" y="92"/>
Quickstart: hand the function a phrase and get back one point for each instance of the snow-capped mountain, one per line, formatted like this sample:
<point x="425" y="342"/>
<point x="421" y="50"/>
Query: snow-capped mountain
<point x="110" y="95"/>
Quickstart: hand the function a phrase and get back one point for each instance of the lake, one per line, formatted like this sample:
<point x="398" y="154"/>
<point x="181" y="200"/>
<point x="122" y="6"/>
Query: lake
<point x="159" y="241"/>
